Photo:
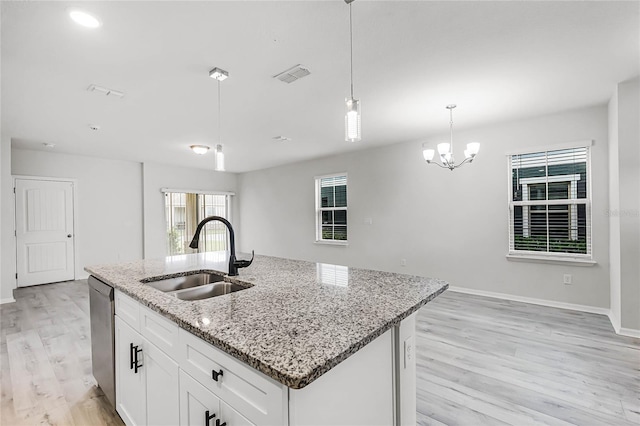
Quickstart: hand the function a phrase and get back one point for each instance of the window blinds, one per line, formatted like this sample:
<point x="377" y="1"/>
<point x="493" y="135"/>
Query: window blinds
<point x="550" y="206"/>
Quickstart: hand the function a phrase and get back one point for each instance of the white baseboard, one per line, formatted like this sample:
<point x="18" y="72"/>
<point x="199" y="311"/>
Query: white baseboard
<point x="615" y="321"/>
<point x="543" y="302"/>
<point x="629" y="332"/>
<point x="7" y="300"/>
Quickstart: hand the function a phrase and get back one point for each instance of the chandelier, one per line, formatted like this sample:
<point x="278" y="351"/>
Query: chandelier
<point x="445" y="150"/>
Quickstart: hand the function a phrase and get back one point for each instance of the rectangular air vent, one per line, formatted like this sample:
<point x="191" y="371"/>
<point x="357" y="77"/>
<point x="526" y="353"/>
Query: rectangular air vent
<point x="292" y="74"/>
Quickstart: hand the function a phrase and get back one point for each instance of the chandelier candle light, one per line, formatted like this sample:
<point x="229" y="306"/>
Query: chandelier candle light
<point x="220" y="75"/>
<point x="446" y="149"/>
<point x="352" y="117"/>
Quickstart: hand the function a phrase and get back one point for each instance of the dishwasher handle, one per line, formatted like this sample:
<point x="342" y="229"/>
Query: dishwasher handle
<point x="100" y="287"/>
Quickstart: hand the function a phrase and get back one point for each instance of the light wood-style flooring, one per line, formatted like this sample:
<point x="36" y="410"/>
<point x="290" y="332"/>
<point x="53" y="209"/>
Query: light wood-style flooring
<point x="484" y="361"/>
<point x="45" y="359"/>
<point x="481" y="361"/>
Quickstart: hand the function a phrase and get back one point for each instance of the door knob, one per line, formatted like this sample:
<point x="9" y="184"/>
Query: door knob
<point x="68" y="235"/>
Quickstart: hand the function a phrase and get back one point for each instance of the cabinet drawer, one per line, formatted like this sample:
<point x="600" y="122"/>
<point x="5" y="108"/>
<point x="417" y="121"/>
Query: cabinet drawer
<point x="128" y="310"/>
<point x="259" y="398"/>
<point x="160" y="331"/>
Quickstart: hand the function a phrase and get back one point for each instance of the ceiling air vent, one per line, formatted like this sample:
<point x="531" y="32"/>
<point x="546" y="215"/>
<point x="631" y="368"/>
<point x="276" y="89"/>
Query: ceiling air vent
<point x="292" y="74"/>
<point x="105" y="91"/>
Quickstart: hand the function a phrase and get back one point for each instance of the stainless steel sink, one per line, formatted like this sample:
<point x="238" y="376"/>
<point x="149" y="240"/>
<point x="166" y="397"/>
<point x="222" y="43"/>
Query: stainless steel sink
<point x="208" y="290"/>
<point x="187" y="281"/>
<point x="195" y="286"/>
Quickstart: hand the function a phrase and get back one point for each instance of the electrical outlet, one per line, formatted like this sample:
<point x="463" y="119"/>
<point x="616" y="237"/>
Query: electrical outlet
<point x="403" y="262"/>
<point x="409" y="349"/>
<point x="567" y="279"/>
<point x="368" y="221"/>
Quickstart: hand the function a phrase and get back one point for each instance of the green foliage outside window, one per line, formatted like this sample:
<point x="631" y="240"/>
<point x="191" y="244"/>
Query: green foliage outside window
<point x="555" y="245"/>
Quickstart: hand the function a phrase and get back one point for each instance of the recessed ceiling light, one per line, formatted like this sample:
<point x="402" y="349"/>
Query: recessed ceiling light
<point x="85" y="19"/>
<point x="49" y="145"/>
<point x="199" y="149"/>
<point x="281" y="138"/>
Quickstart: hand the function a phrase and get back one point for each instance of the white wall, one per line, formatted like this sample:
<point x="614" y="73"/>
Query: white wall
<point x="7" y="240"/>
<point x="450" y="225"/>
<point x="109" y="202"/>
<point x="614" y="219"/>
<point x="624" y="110"/>
<point x="157" y="176"/>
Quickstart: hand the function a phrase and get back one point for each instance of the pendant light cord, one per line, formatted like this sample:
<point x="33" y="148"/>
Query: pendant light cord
<point x="351" y="47"/>
<point x="451" y="129"/>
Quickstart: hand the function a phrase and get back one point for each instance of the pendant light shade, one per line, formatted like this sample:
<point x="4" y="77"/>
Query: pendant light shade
<point x="219" y="159"/>
<point x="352" y="120"/>
<point x="352" y="129"/>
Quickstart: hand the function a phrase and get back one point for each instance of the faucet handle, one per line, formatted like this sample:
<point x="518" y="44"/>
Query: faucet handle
<point x="244" y="263"/>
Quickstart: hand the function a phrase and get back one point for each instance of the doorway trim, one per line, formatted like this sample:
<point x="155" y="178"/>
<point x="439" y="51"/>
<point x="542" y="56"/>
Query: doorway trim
<point x="75" y="218"/>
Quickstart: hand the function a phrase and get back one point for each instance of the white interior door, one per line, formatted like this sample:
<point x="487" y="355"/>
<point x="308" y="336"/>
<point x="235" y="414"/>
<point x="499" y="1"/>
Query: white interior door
<point x="44" y="231"/>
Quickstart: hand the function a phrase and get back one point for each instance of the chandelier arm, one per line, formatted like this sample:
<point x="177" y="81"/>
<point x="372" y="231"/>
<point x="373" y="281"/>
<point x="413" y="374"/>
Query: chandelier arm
<point x="466" y="160"/>
<point x="438" y="164"/>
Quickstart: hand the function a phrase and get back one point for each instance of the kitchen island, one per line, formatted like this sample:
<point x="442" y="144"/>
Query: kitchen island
<point x="307" y="343"/>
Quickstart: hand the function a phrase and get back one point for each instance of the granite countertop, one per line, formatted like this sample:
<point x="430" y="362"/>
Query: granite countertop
<point x="297" y="321"/>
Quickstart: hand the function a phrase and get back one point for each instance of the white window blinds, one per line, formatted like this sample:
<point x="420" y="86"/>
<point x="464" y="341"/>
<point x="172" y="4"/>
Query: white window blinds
<point x="331" y="208"/>
<point x="550" y="203"/>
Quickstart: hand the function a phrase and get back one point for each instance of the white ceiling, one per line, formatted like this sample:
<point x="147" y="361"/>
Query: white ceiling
<point x="498" y="61"/>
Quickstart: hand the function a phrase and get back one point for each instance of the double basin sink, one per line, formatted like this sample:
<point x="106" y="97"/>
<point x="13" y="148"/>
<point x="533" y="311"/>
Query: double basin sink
<point x="196" y="286"/>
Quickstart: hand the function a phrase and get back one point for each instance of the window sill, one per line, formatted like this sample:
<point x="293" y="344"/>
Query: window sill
<point x="551" y="259"/>
<point x="332" y="243"/>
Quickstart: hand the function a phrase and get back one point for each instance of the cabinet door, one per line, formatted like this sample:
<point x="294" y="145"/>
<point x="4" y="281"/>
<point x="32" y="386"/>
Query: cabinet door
<point x="162" y="387"/>
<point x="130" y="384"/>
<point x="195" y="402"/>
<point x="231" y="417"/>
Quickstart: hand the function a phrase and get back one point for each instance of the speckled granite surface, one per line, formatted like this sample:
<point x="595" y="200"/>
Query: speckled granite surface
<point x="297" y="321"/>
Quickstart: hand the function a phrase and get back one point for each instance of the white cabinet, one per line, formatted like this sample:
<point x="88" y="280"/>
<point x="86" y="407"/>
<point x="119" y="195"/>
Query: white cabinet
<point x="130" y="384"/>
<point x="162" y="387"/>
<point x="182" y="380"/>
<point x="199" y="406"/>
<point x="258" y="397"/>
<point x="146" y="377"/>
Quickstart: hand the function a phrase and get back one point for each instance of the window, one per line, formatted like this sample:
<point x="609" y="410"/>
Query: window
<point x="331" y="209"/>
<point x="184" y="211"/>
<point x="550" y="203"/>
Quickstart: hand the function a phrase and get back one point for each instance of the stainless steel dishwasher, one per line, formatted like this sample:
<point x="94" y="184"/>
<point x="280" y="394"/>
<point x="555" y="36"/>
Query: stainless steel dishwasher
<point x="102" y="336"/>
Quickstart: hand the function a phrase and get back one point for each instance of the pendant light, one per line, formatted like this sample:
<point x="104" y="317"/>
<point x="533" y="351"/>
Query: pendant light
<point x="219" y="75"/>
<point x="219" y="158"/>
<point x="445" y="150"/>
<point x="352" y="117"/>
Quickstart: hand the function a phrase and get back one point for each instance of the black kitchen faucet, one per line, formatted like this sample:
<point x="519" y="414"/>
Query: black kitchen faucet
<point x="234" y="263"/>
